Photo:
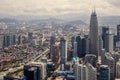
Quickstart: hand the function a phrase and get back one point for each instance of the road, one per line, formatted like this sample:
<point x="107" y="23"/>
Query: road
<point x="12" y="70"/>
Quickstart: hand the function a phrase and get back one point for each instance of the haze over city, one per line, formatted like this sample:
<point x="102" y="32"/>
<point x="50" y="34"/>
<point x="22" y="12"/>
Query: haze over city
<point x="59" y="40"/>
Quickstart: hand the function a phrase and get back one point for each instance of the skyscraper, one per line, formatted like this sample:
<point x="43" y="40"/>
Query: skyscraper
<point x="74" y="45"/>
<point x="85" y="72"/>
<point x="55" y="54"/>
<point x="104" y="30"/>
<point x="30" y="38"/>
<point x="104" y="72"/>
<point x="109" y="41"/>
<point x="94" y="34"/>
<point x="35" y="71"/>
<point x="118" y="32"/>
<point x="81" y="46"/>
<point x="63" y="51"/>
<point x="52" y="42"/>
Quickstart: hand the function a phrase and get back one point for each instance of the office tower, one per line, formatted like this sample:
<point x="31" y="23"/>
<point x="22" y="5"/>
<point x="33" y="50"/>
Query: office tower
<point x="13" y="41"/>
<point x="75" y="49"/>
<point x="73" y="39"/>
<point x="109" y="60"/>
<point x="118" y="32"/>
<point x="92" y="72"/>
<point x="85" y="72"/>
<point x="115" y="41"/>
<point x="103" y="58"/>
<point x="109" y="41"/>
<point x="6" y="42"/>
<point x="81" y="46"/>
<point x="63" y="53"/>
<point x="118" y="69"/>
<point x="31" y="73"/>
<point x="1" y="41"/>
<point x="104" y="30"/>
<point x="55" y="54"/>
<point x="74" y="46"/>
<point x="94" y="34"/>
<point x="87" y="39"/>
<point x="100" y="45"/>
<point x="104" y="72"/>
<point x="35" y="71"/>
<point x="91" y="58"/>
<point x="9" y="40"/>
<point x="81" y="72"/>
<point x="52" y="42"/>
<point x="30" y="38"/>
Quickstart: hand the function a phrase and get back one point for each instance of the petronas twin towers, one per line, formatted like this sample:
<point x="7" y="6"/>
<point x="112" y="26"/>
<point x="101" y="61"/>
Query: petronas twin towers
<point x="94" y="44"/>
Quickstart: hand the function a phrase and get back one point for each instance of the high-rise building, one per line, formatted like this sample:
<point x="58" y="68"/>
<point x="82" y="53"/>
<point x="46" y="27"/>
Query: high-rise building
<point x="118" y="69"/>
<point x="81" y="46"/>
<point x="118" y="32"/>
<point x="109" y="41"/>
<point x="85" y="72"/>
<point x="109" y="60"/>
<point x="52" y="42"/>
<point x="94" y="34"/>
<point x="55" y="54"/>
<point x="1" y="40"/>
<point x="92" y="72"/>
<point x="13" y="39"/>
<point x="31" y="73"/>
<point x="74" y="46"/>
<point x="100" y="45"/>
<point x="63" y="53"/>
<point x="6" y="42"/>
<point x="87" y="39"/>
<point x="104" y="30"/>
<point x="91" y="58"/>
<point x="9" y="40"/>
<point x="81" y="72"/>
<point x="35" y="71"/>
<point x="104" y="72"/>
<point x="30" y="38"/>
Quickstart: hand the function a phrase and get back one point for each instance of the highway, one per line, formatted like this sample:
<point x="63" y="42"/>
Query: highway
<point x="11" y="70"/>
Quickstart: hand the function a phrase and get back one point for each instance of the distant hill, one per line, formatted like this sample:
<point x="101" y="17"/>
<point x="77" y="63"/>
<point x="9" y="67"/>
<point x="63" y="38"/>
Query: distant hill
<point x="77" y="22"/>
<point x="44" y="21"/>
<point x="8" y="20"/>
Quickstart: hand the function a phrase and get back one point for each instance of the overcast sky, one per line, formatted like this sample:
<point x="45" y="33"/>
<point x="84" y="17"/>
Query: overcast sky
<point x="58" y="7"/>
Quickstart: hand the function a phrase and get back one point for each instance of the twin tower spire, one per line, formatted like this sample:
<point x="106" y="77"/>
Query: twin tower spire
<point x="94" y="44"/>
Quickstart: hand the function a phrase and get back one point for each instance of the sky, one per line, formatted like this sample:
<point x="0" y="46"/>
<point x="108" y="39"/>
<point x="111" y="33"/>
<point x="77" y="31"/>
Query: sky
<point x="58" y="7"/>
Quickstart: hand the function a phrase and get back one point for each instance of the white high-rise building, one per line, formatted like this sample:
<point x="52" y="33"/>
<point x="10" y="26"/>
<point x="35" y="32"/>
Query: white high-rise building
<point x="109" y="41"/>
<point x="85" y="72"/>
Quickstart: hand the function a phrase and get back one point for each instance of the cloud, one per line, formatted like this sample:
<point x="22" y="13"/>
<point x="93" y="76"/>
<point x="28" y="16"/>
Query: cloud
<point x="115" y="3"/>
<point x="58" y="7"/>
